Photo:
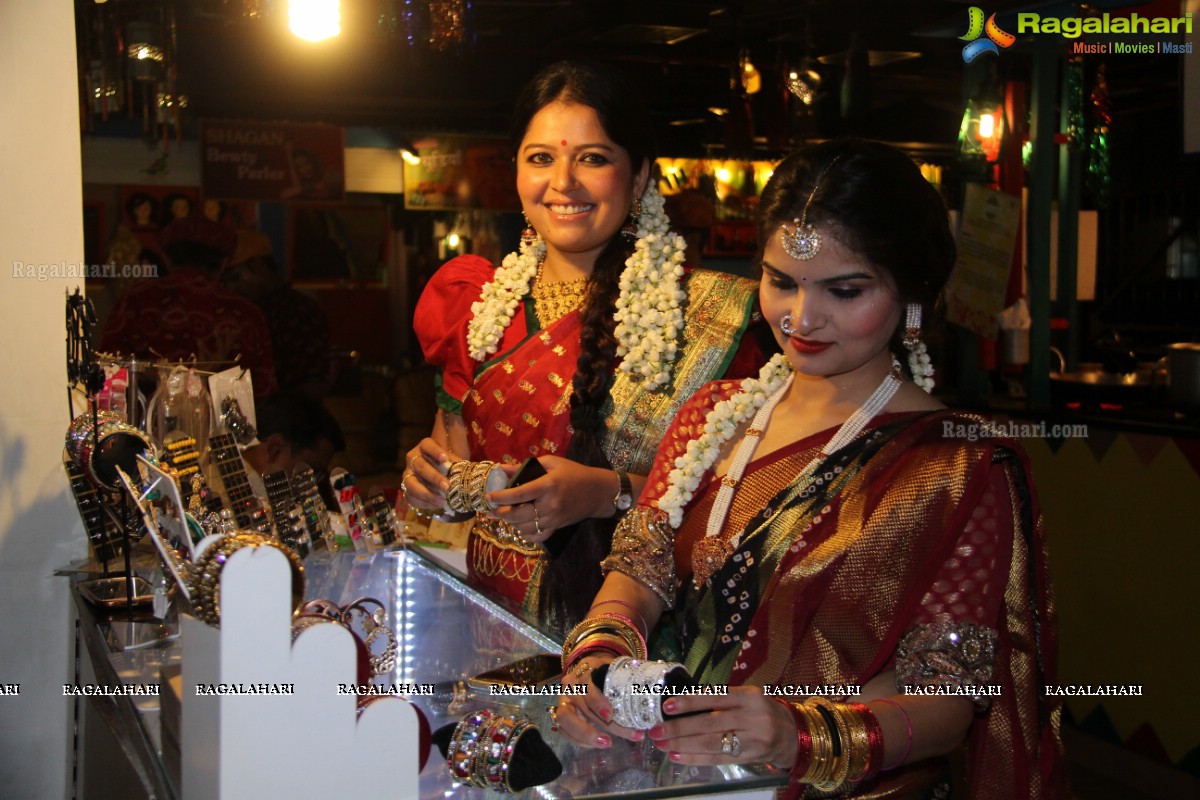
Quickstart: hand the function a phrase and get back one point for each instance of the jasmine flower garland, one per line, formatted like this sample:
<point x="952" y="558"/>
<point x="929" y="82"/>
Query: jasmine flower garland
<point x="719" y="426"/>
<point x="648" y="313"/>
<point x="494" y="310"/>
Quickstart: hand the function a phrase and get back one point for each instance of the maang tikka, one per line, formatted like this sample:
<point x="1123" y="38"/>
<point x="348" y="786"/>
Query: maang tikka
<point x="802" y="241"/>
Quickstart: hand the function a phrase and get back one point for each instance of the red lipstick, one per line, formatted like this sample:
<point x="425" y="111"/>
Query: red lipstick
<point x="809" y="346"/>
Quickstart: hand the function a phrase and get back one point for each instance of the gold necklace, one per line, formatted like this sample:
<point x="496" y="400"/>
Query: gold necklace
<point x="553" y="301"/>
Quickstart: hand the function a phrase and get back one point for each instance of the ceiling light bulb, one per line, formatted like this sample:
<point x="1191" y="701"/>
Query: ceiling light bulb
<point x="314" y="20"/>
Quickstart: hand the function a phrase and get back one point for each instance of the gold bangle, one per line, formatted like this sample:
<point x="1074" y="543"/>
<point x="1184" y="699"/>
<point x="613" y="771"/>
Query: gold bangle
<point x="820" y="765"/>
<point x="841" y="761"/>
<point x="859" y="752"/>
<point x="590" y="625"/>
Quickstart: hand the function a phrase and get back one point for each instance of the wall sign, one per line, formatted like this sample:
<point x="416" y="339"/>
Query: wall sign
<point x="272" y="161"/>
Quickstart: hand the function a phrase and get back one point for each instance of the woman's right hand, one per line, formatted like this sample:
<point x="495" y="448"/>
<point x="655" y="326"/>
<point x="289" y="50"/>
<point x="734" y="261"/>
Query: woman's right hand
<point x="424" y="481"/>
<point x="587" y="719"/>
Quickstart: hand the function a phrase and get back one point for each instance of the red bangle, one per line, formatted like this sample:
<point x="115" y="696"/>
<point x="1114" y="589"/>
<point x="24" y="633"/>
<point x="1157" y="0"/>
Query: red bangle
<point x="803" y="742"/>
<point x="908" y="722"/>
<point x="587" y="647"/>
<point x="874" y="741"/>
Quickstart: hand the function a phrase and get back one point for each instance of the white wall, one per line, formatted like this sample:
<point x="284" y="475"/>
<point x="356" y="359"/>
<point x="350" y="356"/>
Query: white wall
<point x="40" y="221"/>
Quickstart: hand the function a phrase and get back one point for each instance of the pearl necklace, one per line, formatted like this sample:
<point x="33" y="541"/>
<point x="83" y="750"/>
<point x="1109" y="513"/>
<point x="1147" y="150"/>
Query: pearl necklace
<point x="711" y="552"/>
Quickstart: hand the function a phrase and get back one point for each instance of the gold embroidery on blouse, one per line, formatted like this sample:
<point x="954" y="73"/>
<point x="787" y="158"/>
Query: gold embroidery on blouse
<point x="504" y="428"/>
<point x="507" y="366"/>
<point x="499" y="395"/>
<point x="530" y="419"/>
<point x="527" y="387"/>
<point x="556" y="379"/>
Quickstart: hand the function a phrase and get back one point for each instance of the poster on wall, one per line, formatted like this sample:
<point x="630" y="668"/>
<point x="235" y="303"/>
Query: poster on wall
<point x="461" y="172"/>
<point x="272" y="161"/>
<point x="986" y="240"/>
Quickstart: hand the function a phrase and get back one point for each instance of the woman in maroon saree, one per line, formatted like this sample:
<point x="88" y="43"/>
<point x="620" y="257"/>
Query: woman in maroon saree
<point x="831" y="529"/>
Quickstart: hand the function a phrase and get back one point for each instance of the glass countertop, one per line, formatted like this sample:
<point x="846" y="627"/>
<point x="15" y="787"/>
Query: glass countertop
<point x="446" y="632"/>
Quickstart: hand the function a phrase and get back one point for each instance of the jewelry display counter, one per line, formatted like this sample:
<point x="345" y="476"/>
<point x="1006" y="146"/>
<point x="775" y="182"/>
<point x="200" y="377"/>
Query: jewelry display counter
<point x="445" y="633"/>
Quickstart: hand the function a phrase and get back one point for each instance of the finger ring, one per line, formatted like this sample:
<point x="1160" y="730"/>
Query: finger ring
<point x="731" y="745"/>
<point x="580" y="670"/>
<point x="537" y="522"/>
<point x="410" y="464"/>
<point x="404" y="489"/>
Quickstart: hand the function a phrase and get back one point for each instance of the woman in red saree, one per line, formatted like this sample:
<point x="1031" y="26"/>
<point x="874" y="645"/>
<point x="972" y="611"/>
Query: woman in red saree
<point x="862" y="566"/>
<point x="578" y="350"/>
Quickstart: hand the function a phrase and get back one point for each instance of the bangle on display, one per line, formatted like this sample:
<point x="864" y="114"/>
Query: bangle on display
<point x="469" y="484"/>
<point x="634" y="690"/>
<point x="205" y="589"/>
<point x="908" y="724"/>
<point x="482" y="748"/>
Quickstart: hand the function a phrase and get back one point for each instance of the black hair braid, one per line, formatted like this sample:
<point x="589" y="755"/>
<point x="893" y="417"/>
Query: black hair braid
<point x="572" y="578"/>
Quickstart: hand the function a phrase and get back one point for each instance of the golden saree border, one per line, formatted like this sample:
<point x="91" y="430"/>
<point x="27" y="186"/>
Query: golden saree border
<point x="716" y="315"/>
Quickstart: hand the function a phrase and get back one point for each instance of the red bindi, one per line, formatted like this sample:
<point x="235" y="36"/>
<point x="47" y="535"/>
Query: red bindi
<point x="564" y="142"/>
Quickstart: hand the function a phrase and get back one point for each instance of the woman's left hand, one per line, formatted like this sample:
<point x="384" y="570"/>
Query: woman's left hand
<point x="568" y="493"/>
<point x="743" y="727"/>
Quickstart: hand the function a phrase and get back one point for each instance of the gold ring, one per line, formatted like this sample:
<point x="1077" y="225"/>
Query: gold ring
<point x="537" y="522"/>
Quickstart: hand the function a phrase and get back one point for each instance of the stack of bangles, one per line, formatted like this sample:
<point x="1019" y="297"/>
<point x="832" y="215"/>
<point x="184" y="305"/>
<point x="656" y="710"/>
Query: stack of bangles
<point x="470" y="482"/>
<point x="837" y="743"/>
<point x="482" y="747"/>
<point x="205" y="581"/>
<point x="611" y="632"/>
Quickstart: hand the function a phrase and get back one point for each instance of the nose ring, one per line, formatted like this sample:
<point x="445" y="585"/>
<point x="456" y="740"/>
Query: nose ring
<point x="787" y="326"/>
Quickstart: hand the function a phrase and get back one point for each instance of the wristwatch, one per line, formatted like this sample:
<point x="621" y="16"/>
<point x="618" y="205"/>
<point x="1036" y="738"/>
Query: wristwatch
<point x="623" y="500"/>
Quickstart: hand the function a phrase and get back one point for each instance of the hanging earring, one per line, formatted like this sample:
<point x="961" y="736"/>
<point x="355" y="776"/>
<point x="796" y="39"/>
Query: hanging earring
<point x="631" y="225"/>
<point x="919" y="363"/>
<point x="528" y="234"/>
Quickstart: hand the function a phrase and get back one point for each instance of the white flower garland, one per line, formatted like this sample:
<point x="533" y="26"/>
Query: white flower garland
<point x="921" y="366"/>
<point x="494" y="310"/>
<point x="649" y="312"/>
<point x="719" y="427"/>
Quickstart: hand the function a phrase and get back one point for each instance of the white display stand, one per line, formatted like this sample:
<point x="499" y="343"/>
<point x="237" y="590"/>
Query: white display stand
<point x="311" y="744"/>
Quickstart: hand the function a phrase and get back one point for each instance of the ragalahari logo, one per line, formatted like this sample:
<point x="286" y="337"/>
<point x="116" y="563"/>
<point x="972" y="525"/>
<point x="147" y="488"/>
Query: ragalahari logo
<point x="996" y="37"/>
